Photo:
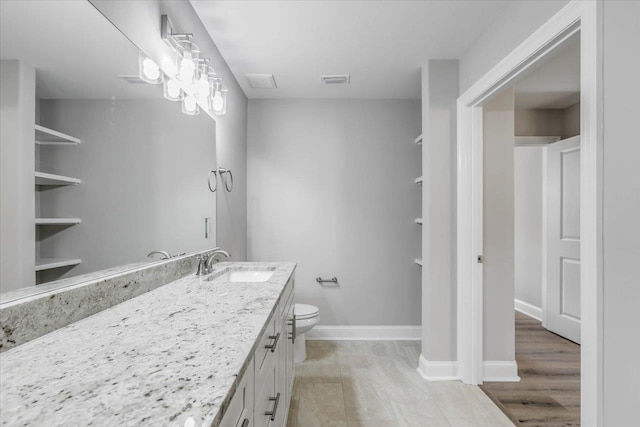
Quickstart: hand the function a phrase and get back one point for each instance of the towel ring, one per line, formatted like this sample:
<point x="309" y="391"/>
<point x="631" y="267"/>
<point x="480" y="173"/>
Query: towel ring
<point x="215" y="174"/>
<point x="222" y="172"/>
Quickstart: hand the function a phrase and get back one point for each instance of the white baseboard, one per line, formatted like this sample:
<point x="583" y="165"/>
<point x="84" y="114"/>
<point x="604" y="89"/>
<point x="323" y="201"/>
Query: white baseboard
<point x="501" y="371"/>
<point x="373" y="333"/>
<point x="438" y="371"/>
<point x="528" y="309"/>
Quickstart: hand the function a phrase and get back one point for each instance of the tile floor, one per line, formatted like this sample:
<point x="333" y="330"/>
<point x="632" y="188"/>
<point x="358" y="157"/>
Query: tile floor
<point x="376" y="384"/>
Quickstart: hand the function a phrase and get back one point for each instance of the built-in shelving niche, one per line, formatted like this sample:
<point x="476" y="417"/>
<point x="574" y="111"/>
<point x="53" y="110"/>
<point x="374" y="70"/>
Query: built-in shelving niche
<point x="49" y="263"/>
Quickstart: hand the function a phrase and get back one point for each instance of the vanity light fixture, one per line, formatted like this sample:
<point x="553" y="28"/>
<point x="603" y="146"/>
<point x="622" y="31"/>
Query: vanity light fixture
<point x="148" y="70"/>
<point x="190" y="79"/>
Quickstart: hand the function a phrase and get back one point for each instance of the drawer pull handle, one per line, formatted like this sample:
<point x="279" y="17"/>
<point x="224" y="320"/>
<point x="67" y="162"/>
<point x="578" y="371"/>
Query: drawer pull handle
<point x="245" y="423"/>
<point x="272" y="413"/>
<point x="273" y="345"/>
<point x="293" y="329"/>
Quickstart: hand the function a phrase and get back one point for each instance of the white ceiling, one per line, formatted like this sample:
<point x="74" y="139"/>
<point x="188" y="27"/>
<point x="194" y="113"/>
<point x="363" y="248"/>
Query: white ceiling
<point x="76" y="51"/>
<point x="381" y="44"/>
<point x="555" y="82"/>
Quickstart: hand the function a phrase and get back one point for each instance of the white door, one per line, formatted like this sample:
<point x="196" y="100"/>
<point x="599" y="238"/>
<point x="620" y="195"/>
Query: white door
<point x="562" y="311"/>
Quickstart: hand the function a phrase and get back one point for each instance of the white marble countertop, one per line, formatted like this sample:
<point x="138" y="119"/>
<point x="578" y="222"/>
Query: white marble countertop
<point x="156" y="359"/>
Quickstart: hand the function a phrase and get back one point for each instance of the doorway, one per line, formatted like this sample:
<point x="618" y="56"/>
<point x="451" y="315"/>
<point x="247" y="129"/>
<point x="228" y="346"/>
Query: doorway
<point x="531" y="240"/>
<point x="576" y="17"/>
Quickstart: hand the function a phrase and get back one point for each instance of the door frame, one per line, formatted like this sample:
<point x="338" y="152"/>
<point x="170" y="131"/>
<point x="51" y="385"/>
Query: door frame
<point x="577" y="16"/>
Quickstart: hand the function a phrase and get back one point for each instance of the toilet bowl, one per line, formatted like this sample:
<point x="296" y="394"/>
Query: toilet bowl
<point x="307" y="316"/>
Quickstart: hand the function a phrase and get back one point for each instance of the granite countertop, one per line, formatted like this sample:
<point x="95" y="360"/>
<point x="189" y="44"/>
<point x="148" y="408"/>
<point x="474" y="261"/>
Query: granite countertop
<point x="157" y="359"/>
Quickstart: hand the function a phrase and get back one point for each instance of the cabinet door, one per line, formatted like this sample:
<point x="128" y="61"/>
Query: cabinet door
<point x="281" y="379"/>
<point x="240" y="409"/>
<point x="269" y="400"/>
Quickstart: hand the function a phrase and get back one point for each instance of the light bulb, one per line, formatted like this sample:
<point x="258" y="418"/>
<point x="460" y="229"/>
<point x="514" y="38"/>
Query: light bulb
<point x="190" y="103"/>
<point x="150" y="69"/>
<point x="218" y="101"/>
<point x="187" y="67"/>
<point x="173" y="88"/>
<point x="202" y="87"/>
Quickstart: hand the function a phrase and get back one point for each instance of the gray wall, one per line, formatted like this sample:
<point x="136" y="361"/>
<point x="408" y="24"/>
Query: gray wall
<point x="17" y="204"/>
<point x="143" y="166"/>
<point x="564" y="123"/>
<point x="331" y="187"/>
<point x="140" y="21"/>
<point x="518" y="22"/>
<point x="528" y="224"/>
<point x="439" y="94"/>
<point x="621" y="199"/>
<point x="498" y="228"/>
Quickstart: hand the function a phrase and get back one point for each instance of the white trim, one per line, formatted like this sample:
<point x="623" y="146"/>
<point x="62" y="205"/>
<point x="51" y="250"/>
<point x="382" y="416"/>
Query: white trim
<point x="528" y="309"/>
<point x="438" y="371"/>
<point x="374" y="333"/>
<point x="586" y="17"/>
<point x="501" y="371"/>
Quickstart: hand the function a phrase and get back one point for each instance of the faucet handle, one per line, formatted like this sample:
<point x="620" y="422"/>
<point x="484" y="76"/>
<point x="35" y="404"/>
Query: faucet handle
<point x="202" y="269"/>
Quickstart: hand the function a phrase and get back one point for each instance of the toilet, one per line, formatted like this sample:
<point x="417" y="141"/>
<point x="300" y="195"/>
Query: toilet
<point x="307" y="316"/>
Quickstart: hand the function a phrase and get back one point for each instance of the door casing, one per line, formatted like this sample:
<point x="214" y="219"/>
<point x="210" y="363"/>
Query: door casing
<point x="577" y="16"/>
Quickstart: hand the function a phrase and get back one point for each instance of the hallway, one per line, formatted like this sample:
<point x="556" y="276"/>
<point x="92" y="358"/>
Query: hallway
<point x="548" y="394"/>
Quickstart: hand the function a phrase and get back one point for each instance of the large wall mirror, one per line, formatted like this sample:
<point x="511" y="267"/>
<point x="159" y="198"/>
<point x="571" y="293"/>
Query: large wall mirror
<point x="98" y="168"/>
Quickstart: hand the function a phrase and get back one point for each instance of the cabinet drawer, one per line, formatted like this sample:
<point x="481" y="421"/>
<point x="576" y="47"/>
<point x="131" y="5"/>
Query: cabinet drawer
<point x="241" y="406"/>
<point x="269" y="403"/>
<point x="265" y="352"/>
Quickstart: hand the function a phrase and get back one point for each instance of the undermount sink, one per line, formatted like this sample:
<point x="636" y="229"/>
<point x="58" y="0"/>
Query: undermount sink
<point x="244" y="276"/>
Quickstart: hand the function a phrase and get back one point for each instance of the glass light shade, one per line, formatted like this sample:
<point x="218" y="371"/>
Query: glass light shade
<point x="188" y="60"/>
<point x="148" y="71"/>
<point x="202" y="87"/>
<point x="190" y="106"/>
<point x="218" y="102"/>
<point x="173" y="90"/>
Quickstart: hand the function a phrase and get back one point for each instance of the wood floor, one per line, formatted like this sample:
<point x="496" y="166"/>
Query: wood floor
<point x="548" y="394"/>
<point x="376" y="384"/>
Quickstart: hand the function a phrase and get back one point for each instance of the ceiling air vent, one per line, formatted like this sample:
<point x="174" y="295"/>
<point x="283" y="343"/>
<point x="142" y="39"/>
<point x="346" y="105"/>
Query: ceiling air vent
<point x="261" y="81"/>
<point x="341" y="79"/>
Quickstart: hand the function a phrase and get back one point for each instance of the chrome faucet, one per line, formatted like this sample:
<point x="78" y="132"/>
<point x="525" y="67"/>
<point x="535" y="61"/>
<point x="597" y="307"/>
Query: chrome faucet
<point x="165" y="254"/>
<point x="211" y="259"/>
<point x="206" y="261"/>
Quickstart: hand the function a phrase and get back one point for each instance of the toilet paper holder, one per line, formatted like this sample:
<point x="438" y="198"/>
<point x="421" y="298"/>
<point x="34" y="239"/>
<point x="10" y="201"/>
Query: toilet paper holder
<point x="321" y="280"/>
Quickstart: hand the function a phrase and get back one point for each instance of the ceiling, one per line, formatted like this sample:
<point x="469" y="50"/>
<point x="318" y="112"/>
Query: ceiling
<point x="381" y="44"/>
<point x="555" y="82"/>
<point x="76" y="51"/>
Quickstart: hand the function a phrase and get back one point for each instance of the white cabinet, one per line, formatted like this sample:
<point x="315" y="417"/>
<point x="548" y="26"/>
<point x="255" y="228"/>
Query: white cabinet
<point x="263" y="396"/>
<point x="240" y="410"/>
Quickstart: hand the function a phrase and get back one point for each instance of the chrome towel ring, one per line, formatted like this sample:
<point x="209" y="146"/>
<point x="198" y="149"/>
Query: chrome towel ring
<point x="215" y="180"/>
<point x="223" y="175"/>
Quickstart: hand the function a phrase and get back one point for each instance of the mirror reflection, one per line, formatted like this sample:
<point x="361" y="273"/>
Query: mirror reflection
<point x="98" y="168"/>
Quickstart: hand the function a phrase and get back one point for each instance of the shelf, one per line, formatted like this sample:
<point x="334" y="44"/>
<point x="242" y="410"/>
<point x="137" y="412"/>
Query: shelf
<point x="418" y="140"/>
<point x="419" y="180"/>
<point x="418" y="261"/>
<point x="43" y="178"/>
<point x="58" y="221"/>
<point x="418" y="221"/>
<point x="46" y="136"/>
<point x="50" y="263"/>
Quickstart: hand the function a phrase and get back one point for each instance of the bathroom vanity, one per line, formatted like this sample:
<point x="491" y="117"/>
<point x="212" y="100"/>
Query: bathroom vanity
<point x="214" y="350"/>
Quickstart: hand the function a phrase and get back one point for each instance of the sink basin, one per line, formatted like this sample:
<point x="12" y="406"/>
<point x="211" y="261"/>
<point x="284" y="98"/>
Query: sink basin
<point x="245" y="276"/>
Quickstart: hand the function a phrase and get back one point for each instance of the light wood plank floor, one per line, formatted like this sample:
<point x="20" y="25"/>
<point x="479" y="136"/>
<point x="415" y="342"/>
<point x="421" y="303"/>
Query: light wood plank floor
<point x="376" y="384"/>
<point x="548" y="394"/>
